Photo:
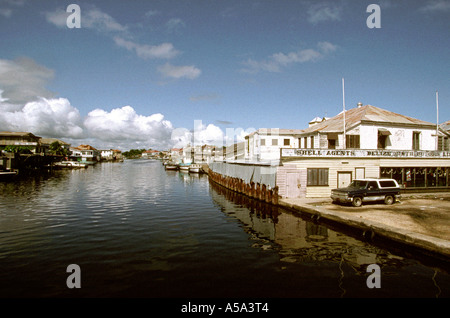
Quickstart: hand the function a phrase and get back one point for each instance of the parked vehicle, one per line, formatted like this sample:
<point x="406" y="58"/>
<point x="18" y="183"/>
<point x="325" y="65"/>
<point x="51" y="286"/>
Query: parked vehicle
<point x="368" y="190"/>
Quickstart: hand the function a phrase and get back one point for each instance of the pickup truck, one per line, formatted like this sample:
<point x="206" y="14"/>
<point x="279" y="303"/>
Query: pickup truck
<point x="368" y="190"/>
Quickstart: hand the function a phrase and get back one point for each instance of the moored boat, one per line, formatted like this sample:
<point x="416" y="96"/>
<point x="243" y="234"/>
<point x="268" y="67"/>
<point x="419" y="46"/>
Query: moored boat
<point x="184" y="166"/>
<point x="70" y="164"/>
<point x="171" y="166"/>
<point x="195" y="168"/>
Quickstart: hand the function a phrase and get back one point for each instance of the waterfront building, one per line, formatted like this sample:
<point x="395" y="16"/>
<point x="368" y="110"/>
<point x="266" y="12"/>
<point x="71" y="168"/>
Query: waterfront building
<point x="46" y="142"/>
<point x="9" y="138"/>
<point x="368" y="142"/>
<point x="263" y="145"/>
<point x="86" y="153"/>
<point x="110" y="154"/>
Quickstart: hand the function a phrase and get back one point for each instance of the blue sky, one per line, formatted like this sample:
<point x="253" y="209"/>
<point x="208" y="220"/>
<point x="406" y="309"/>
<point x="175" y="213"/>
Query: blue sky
<point x="145" y="73"/>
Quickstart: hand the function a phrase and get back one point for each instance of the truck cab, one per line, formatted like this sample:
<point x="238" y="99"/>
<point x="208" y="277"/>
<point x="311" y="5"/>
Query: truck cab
<point x="367" y="190"/>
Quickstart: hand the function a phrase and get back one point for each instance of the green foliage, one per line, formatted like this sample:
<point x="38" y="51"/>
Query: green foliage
<point x="18" y="149"/>
<point x="57" y="149"/>
<point x="133" y="153"/>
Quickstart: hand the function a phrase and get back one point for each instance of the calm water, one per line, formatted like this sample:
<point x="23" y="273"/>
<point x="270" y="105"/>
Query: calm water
<point x="137" y="230"/>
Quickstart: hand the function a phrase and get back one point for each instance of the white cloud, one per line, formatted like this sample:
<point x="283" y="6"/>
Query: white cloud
<point x="23" y="80"/>
<point x="175" y="25"/>
<point x="277" y="61"/>
<point x="188" y="71"/>
<point x="96" y="19"/>
<point x="6" y="12"/>
<point x="47" y="117"/>
<point x="321" y="12"/>
<point x="162" y="51"/>
<point x="436" y="6"/>
<point x="92" y="18"/>
<point x="123" y="125"/>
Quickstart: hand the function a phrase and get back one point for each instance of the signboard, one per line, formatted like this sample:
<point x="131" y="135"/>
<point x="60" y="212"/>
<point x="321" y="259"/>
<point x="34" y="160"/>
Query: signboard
<point x="25" y="143"/>
<point x="359" y="153"/>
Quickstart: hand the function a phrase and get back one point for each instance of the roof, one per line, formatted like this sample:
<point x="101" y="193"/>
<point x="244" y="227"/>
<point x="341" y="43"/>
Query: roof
<point x="275" y="132"/>
<point x="17" y="134"/>
<point x="445" y="126"/>
<point x="85" y="147"/>
<point x="51" y="140"/>
<point x="367" y="113"/>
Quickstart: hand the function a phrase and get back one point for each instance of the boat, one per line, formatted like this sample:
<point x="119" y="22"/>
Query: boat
<point x="70" y="164"/>
<point x="195" y="168"/>
<point x="184" y="167"/>
<point x="7" y="175"/>
<point x="171" y="166"/>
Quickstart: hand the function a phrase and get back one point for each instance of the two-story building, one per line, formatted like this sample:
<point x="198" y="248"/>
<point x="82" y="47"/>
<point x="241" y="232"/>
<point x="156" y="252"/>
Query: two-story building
<point x="364" y="142"/>
<point x="263" y="145"/>
<point x="17" y="139"/>
<point x="86" y="154"/>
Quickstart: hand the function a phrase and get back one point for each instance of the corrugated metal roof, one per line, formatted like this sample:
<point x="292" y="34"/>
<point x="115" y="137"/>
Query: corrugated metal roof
<point x="366" y="113"/>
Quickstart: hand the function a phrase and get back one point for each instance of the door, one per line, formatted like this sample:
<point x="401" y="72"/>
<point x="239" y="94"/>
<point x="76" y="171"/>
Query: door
<point x="344" y="179"/>
<point x="293" y="185"/>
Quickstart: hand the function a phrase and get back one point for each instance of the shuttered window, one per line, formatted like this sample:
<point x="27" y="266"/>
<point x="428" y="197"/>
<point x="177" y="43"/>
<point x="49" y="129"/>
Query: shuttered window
<point x="317" y="177"/>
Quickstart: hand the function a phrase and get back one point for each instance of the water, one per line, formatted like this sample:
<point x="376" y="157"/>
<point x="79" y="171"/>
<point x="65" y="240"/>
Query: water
<point x="137" y="230"/>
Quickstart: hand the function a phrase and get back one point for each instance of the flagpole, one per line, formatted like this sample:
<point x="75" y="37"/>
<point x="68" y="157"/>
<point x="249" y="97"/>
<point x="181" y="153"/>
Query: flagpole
<point x="343" y="106"/>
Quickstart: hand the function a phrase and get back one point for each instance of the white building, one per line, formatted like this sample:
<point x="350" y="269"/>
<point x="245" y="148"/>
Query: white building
<point x="378" y="143"/>
<point x="263" y="145"/>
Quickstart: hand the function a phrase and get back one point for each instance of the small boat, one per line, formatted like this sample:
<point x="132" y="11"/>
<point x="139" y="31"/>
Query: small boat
<point x="184" y="166"/>
<point x="70" y="164"/>
<point x="171" y="166"/>
<point x="195" y="168"/>
<point x="7" y="175"/>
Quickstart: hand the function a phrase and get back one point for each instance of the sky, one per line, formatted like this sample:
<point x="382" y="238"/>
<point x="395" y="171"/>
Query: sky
<point x="164" y="73"/>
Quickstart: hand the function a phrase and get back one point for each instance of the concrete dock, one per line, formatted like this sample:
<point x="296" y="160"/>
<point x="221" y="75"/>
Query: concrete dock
<point x="420" y="221"/>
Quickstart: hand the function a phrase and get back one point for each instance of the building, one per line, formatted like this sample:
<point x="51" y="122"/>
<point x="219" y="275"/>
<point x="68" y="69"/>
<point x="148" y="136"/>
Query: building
<point x="26" y="139"/>
<point x="263" y="145"/>
<point x="46" y="142"/>
<point x="367" y="142"/>
<point x="110" y="154"/>
<point x="86" y="153"/>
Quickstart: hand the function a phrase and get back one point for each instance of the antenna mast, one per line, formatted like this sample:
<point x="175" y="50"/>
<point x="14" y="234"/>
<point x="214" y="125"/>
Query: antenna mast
<point x="343" y="106"/>
<point x="437" y="120"/>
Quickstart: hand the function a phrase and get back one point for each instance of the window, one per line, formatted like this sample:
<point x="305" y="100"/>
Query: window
<point x="443" y="143"/>
<point x="263" y="142"/>
<point x="317" y="177"/>
<point x="274" y="142"/>
<point x="416" y="140"/>
<point x="305" y="142"/>
<point x="287" y="142"/>
<point x="382" y="141"/>
<point x="312" y="142"/>
<point x="352" y="141"/>
<point x="387" y="184"/>
<point x="331" y="143"/>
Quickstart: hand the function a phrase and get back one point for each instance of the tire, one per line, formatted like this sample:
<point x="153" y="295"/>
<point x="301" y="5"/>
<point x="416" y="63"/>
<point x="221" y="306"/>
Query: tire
<point x="357" y="201"/>
<point x="389" y="199"/>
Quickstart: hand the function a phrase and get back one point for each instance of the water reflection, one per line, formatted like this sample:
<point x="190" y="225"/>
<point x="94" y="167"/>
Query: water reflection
<point x="300" y="241"/>
<point x="138" y="230"/>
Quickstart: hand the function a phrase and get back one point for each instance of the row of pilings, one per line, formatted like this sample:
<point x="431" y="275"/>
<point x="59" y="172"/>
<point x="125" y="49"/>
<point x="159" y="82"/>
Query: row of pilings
<point x="254" y="190"/>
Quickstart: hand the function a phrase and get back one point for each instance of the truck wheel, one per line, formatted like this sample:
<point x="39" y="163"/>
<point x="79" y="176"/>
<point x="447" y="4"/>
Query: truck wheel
<point x="389" y="199"/>
<point x="357" y="201"/>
